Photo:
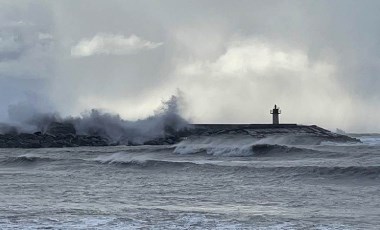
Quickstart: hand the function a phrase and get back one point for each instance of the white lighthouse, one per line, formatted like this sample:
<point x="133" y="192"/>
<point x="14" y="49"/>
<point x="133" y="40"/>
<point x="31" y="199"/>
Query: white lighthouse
<point x="275" y="113"/>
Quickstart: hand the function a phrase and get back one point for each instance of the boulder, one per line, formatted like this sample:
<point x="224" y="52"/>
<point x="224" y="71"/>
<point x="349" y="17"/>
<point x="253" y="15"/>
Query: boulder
<point x="57" y="128"/>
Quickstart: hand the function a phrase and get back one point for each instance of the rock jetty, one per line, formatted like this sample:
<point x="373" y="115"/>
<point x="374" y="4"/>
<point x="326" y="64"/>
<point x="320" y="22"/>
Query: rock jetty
<point x="57" y="135"/>
<point x="65" y="135"/>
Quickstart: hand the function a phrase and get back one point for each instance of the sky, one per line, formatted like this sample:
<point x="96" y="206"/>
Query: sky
<point x="230" y="61"/>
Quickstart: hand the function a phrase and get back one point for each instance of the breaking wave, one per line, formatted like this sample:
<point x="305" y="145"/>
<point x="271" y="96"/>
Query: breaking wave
<point x="145" y="161"/>
<point x="165" y="121"/>
<point x="248" y="165"/>
<point x="244" y="146"/>
<point x="136" y="160"/>
<point x="258" y="150"/>
<point x="25" y="159"/>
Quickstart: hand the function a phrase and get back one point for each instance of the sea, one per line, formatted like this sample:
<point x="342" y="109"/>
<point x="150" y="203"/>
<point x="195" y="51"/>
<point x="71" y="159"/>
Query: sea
<point x="225" y="182"/>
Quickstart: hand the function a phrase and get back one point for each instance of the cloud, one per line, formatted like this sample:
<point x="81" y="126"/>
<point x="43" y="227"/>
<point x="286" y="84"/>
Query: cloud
<point x="260" y="74"/>
<point x="249" y="56"/>
<point x="45" y="36"/>
<point x="10" y="47"/>
<point x="111" y="44"/>
<point x="318" y="60"/>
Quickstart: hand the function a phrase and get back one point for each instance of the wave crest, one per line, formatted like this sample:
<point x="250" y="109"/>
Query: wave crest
<point x="242" y="151"/>
<point x="290" y="172"/>
<point x="25" y="159"/>
<point x="136" y="160"/>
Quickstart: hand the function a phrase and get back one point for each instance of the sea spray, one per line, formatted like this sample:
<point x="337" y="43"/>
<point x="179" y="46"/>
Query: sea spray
<point x="95" y="122"/>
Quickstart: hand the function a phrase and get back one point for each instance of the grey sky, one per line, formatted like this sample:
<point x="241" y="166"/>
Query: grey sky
<point x="318" y="60"/>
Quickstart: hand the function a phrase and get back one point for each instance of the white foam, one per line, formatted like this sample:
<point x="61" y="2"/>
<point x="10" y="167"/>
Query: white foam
<point x="30" y="156"/>
<point x="122" y="157"/>
<point x="370" y="140"/>
<point x="215" y="150"/>
<point x="225" y="145"/>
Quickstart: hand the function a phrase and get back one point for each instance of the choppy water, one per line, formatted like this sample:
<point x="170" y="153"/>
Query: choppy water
<point x="220" y="183"/>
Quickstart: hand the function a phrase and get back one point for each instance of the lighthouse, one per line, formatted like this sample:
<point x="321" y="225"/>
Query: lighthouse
<point x="275" y="113"/>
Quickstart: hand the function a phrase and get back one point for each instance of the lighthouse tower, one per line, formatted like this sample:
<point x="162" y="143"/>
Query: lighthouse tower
<point x="275" y="111"/>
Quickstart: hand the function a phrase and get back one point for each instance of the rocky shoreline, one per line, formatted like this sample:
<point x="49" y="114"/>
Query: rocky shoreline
<point x="60" y="135"/>
<point x="57" y="135"/>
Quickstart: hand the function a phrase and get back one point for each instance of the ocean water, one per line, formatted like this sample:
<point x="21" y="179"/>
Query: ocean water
<point x="206" y="183"/>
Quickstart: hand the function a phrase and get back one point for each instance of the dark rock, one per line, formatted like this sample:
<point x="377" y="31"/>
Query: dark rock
<point x="169" y="141"/>
<point x="27" y="136"/>
<point x="116" y="144"/>
<point x="57" y="128"/>
<point x="131" y="143"/>
<point x="31" y="144"/>
<point x="8" y="129"/>
<point x="9" y="136"/>
<point x="154" y="142"/>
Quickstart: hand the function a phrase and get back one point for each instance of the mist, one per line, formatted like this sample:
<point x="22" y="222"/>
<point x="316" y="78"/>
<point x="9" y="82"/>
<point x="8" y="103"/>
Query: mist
<point x="318" y="60"/>
<point x="27" y="118"/>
